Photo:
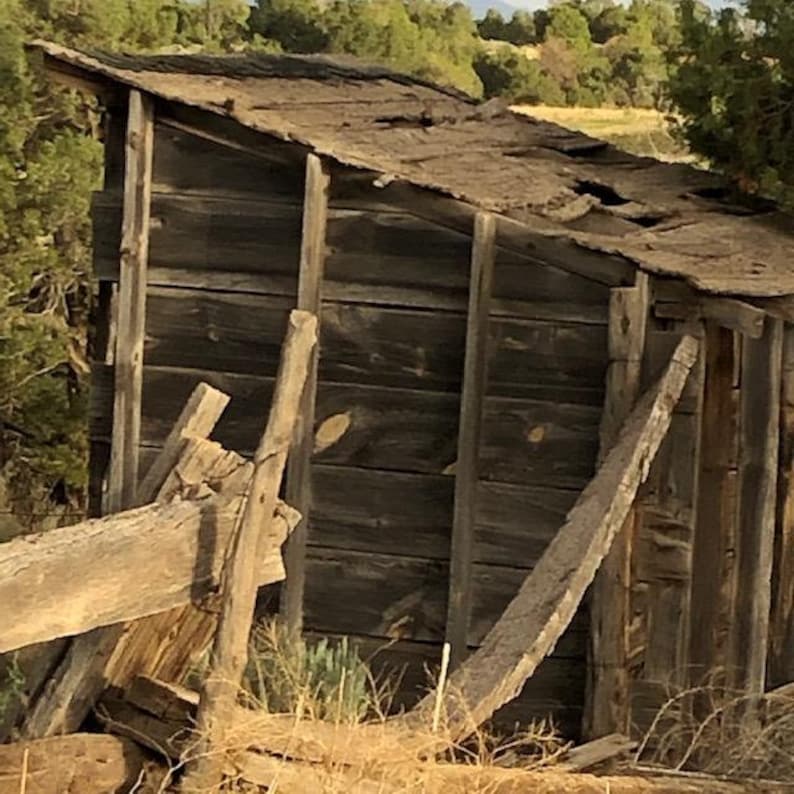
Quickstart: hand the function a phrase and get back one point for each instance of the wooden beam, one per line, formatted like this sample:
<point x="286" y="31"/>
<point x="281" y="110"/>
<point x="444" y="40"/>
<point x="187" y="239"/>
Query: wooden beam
<point x="759" y="429"/>
<point x="551" y="594"/>
<point x="139" y="148"/>
<point x="84" y="762"/>
<point x="198" y="418"/>
<point x="714" y="536"/>
<point x="727" y="312"/>
<point x="119" y="568"/>
<point x="607" y="696"/>
<point x="240" y="582"/>
<point x="781" y="630"/>
<point x="475" y="375"/>
<point x="298" y="486"/>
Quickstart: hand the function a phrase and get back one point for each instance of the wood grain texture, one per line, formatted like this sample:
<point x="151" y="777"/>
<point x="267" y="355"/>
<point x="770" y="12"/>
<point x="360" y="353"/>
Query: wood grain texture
<point x="386" y="346"/>
<point x="411" y="514"/>
<point x="781" y="629"/>
<point x="714" y="538"/>
<point x="198" y="418"/>
<point x="525" y="442"/>
<point x="759" y="431"/>
<point x="255" y="533"/>
<point x="473" y="389"/>
<point x="134" y="250"/>
<point x="88" y="763"/>
<point x="548" y="598"/>
<point x="103" y="571"/>
<point x="661" y="574"/>
<point x="373" y="256"/>
<point x="298" y="475"/>
<point x="400" y="597"/>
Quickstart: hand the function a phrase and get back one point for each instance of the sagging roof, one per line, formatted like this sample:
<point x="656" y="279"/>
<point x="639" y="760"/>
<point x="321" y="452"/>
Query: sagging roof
<point x="670" y="219"/>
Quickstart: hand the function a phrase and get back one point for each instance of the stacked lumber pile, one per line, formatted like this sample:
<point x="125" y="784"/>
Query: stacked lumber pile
<point x="142" y="591"/>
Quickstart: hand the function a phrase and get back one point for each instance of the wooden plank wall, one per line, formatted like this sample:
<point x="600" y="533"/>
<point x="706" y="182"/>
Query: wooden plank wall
<point x="664" y="531"/>
<point x="224" y="254"/>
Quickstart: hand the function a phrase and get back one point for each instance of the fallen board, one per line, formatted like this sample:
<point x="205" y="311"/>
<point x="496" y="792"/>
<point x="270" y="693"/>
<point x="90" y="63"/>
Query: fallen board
<point x="80" y="764"/>
<point x="118" y="568"/>
<point x="550" y="595"/>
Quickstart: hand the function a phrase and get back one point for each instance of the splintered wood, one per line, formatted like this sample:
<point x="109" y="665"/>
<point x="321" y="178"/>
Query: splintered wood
<point x="550" y="595"/>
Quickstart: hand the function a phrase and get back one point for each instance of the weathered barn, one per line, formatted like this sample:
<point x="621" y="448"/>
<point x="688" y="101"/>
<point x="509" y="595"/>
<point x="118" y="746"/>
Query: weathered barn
<point x="495" y="292"/>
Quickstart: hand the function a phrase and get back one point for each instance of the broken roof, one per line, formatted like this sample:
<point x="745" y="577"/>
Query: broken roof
<point x="669" y="219"/>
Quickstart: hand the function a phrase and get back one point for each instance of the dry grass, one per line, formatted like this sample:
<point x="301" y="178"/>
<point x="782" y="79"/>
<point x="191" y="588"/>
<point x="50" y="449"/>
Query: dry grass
<point x="637" y="130"/>
<point x="719" y="731"/>
<point x="317" y="721"/>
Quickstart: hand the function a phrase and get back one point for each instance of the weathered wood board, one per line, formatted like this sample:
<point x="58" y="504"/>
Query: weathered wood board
<point x="385" y="346"/>
<point x="405" y="597"/>
<point x="524" y="441"/>
<point x="104" y="571"/>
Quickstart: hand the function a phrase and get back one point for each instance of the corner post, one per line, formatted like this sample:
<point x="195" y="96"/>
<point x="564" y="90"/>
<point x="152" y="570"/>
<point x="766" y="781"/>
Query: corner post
<point x="298" y="485"/>
<point x="759" y="435"/>
<point x="128" y="373"/>
<point x="475" y="370"/>
<point x="606" y="700"/>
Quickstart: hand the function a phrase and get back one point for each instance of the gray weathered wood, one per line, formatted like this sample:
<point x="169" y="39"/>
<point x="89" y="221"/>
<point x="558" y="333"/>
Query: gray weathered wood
<point x="759" y="437"/>
<point x="524" y="441"/>
<point x="781" y="629"/>
<point x="727" y="312"/>
<point x="240" y="582"/>
<point x="84" y="762"/>
<point x="374" y="256"/>
<point x="399" y="596"/>
<point x="586" y="756"/>
<point x="298" y="483"/>
<point x="475" y="374"/>
<point x="233" y="332"/>
<point x="81" y="673"/>
<point x="549" y="597"/>
<point x="607" y="701"/>
<point x="198" y="418"/>
<point x="714" y="536"/>
<point x="139" y="149"/>
<point x="117" y="568"/>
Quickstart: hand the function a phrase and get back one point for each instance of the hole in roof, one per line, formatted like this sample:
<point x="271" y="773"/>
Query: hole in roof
<point x="647" y="221"/>
<point x="605" y="194"/>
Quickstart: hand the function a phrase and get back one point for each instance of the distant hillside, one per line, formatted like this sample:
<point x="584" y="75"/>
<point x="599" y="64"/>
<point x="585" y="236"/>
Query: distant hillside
<point x="480" y="7"/>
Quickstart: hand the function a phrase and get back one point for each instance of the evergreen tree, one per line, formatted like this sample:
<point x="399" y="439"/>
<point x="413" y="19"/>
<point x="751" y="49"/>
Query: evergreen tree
<point x="734" y="87"/>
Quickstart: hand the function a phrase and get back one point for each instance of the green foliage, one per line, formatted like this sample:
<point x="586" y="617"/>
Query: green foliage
<point x="509" y="74"/>
<point x="734" y="87"/>
<point x="12" y="684"/>
<point x="321" y="680"/>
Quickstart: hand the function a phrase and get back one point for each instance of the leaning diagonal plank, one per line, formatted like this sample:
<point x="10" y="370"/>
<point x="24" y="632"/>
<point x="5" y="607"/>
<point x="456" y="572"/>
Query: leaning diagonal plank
<point x="544" y="606"/>
<point x="71" y="580"/>
<point x="240" y="583"/>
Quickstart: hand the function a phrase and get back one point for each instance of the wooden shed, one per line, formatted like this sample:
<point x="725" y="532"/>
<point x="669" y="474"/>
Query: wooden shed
<point x="494" y="293"/>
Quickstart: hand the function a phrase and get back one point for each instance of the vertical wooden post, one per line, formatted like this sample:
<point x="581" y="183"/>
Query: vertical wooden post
<point x="139" y="147"/>
<point x="781" y="630"/>
<point x="230" y="649"/>
<point x="606" y="701"/>
<point x="298" y="486"/>
<point x="471" y="405"/>
<point x="759" y="431"/>
<point x="712" y="586"/>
